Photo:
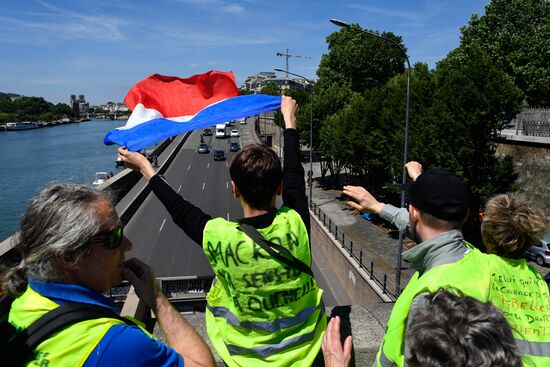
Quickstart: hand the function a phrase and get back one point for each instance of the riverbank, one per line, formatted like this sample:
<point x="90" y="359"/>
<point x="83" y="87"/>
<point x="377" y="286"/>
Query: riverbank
<point x="33" y="158"/>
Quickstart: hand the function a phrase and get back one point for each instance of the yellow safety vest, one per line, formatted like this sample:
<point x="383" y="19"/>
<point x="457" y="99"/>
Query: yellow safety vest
<point x="521" y="293"/>
<point x="261" y="312"/>
<point x="69" y="347"/>
<point x="469" y="274"/>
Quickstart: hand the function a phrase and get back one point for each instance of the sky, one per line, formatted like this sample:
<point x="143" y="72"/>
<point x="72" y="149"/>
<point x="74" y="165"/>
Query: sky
<point x="100" y="48"/>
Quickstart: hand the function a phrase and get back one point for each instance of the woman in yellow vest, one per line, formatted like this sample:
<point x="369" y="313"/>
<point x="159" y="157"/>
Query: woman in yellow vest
<point x="260" y="312"/>
<point x="510" y="226"/>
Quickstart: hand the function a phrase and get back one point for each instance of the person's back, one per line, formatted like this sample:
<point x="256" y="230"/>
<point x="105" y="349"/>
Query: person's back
<point x="469" y="274"/>
<point x="261" y="311"/>
<point x="261" y="308"/>
<point x="438" y="207"/>
<point x="510" y="226"/>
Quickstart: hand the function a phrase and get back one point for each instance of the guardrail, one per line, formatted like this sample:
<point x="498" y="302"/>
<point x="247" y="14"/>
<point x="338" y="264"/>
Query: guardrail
<point x="356" y="254"/>
<point x="536" y="128"/>
<point x="174" y="288"/>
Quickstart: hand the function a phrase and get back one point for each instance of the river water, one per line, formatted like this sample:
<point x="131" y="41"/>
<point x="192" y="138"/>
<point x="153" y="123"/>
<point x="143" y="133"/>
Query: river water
<point x="31" y="159"/>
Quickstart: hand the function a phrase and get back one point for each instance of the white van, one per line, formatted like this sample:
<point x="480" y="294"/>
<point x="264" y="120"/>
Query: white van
<point x="220" y="131"/>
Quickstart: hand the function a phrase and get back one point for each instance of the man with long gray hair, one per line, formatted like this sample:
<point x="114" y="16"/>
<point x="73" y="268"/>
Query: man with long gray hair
<point x="72" y="250"/>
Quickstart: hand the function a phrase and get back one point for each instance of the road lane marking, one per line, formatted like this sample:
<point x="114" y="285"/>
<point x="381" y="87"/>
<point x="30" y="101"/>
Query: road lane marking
<point x="188" y="167"/>
<point x="162" y="225"/>
<point x="208" y="165"/>
<point x="203" y="184"/>
<point x="227" y="216"/>
<point x="226" y="184"/>
<point x="226" y="164"/>
<point x="179" y="188"/>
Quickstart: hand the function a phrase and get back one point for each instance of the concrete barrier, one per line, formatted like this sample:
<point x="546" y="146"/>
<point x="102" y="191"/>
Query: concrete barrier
<point x="360" y="287"/>
<point x="365" y="323"/>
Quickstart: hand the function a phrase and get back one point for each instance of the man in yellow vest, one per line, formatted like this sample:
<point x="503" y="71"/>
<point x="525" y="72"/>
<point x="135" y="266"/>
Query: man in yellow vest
<point x="72" y="246"/>
<point x="510" y="226"/>
<point x="438" y="207"/>
<point x="261" y="311"/>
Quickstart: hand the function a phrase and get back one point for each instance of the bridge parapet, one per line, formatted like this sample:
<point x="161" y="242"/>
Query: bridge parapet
<point x="365" y="284"/>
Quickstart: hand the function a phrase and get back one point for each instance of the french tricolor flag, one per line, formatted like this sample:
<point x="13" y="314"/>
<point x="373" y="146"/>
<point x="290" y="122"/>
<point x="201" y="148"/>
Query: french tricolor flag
<point x="165" y="106"/>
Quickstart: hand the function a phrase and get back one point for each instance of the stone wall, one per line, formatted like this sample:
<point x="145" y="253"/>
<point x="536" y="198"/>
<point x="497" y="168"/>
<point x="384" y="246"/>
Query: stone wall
<point x="533" y="165"/>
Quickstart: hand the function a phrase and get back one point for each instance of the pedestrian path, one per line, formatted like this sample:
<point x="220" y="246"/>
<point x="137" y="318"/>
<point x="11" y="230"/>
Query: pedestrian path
<point x="377" y="243"/>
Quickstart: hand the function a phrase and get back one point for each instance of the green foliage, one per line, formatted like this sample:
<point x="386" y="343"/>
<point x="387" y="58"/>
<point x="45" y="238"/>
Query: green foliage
<point x="360" y="60"/>
<point x="356" y="63"/>
<point x="61" y="109"/>
<point x="6" y="117"/>
<point x="326" y="102"/>
<point x="34" y="109"/>
<point x="516" y="34"/>
<point x="243" y="92"/>
<point x="271" y="88"/>
<point x="456" y="110"/>
<point x="473" y="100"/>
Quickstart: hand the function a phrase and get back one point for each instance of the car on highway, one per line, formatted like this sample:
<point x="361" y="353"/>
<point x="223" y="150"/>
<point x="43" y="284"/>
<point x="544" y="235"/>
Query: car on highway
<point x="220" y="131"/>
<point x="207" y="132"/>
<point x="234" y="133"/>
<point x="219" y="155"/>
<point x="203" y="148"/>
<point x="540" y="253"/>
<point x="234" y="147"/>
<point x="242" y="121"/>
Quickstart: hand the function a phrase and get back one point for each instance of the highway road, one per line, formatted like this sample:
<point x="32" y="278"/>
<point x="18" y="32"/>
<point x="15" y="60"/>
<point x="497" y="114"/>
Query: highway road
<point x="205" y="183"/>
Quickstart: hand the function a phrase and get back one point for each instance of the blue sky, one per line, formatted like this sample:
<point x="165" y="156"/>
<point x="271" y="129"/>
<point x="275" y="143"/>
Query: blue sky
<point x="100" y="48"/>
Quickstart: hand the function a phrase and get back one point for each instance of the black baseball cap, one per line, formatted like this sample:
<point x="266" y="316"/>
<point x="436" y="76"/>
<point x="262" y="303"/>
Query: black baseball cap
<point x="439" y="193"/>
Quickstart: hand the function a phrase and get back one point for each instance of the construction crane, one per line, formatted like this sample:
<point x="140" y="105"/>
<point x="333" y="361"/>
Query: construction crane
<point x="287" y="56"/>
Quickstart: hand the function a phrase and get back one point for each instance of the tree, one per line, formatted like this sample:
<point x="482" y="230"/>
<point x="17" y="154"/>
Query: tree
<point x="243" y="92"/>
<point x="360" y="60"/>
<point x="473" y="101"/>
<point x="62" y="109"/>
<point x="6" y="117"/>
<point x="355" y="63"/>
<point x="516" y="34"/>
<point x="271" y="88"/>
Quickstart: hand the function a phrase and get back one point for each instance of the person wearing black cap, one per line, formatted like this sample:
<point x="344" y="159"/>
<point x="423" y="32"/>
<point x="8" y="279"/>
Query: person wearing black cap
<point x="439" y="205"/>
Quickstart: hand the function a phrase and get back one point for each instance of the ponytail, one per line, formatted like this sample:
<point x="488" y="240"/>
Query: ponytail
<point x="15" y="281"/>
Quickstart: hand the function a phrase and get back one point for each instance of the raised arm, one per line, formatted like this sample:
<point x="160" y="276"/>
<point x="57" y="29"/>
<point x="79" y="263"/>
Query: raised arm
<point x="188" y="217"/>
<point x="294" y="186"/>
<point x="364" y="202"/>
<point x="414" y="169"/>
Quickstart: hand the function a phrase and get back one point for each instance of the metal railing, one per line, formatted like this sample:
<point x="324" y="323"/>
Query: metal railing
<point x="185" y="287"/>
<point x="187" y="293"/>
<point x="536" y="128"/>
<point x="118" y="294"/>
<point x="355" y="252"/>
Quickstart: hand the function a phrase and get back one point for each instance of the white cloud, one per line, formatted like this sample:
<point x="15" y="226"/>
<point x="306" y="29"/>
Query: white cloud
<point x="414" y="19"/>
<point x="215" y="5"/>
<point x="56" y="24"/>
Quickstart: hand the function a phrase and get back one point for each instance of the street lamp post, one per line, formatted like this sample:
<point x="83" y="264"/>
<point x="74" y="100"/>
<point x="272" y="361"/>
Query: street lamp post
<point x="406" y="145"/>
<point x="310" y="174"/>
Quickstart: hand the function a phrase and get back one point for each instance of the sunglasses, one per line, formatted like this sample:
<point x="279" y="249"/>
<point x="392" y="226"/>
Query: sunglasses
<point x="111" y="240"/>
